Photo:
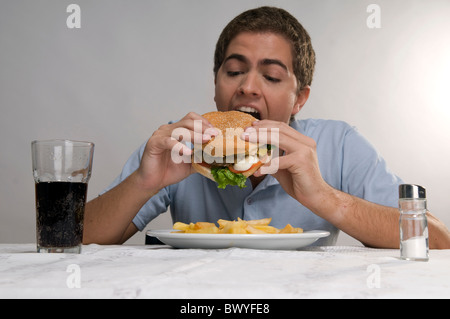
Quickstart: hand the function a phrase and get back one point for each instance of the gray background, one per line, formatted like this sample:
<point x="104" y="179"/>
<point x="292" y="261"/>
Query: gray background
<point x="135" y="65"/>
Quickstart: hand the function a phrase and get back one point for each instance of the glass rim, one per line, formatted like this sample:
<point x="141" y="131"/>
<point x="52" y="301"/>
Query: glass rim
<point x="63" y="141"/>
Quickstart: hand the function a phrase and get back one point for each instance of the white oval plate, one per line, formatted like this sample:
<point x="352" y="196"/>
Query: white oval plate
<point x="253" y="241"/>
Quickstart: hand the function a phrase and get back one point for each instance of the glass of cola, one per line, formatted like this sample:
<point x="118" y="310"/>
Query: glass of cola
<point x="61" y="170"/>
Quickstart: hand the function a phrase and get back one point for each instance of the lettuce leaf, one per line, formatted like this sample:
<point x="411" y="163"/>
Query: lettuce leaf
<point x="224" y="177"/>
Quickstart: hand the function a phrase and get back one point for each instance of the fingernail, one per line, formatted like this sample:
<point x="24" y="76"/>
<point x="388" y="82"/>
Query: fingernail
<point x="212" y="131"/>
<point x="245" y="135"/>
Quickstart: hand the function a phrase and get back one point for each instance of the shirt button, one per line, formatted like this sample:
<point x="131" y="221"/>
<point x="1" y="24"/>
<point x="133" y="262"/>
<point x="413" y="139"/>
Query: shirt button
<point x="249" y="201"/>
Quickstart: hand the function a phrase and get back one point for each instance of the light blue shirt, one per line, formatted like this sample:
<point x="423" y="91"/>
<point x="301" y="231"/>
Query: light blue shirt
<point x="348" y="162"/>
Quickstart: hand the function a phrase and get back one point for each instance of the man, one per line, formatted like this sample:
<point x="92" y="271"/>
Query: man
<point x="328" y="177"/>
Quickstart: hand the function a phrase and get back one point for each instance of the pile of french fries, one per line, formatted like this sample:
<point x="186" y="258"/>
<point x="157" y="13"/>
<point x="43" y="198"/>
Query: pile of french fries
<point x="257" y="226"/>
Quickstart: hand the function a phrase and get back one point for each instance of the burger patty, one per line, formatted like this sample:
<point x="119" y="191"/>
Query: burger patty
<point x="201" y="157"/>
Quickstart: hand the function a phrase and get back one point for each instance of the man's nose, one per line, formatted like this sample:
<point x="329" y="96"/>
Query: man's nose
<point x="250" y="85"/>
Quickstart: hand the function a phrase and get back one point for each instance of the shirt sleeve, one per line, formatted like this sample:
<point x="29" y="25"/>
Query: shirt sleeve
<point x="156" y="205"/>
<point x="130" y="166"/>
<point x="365" y="173"/>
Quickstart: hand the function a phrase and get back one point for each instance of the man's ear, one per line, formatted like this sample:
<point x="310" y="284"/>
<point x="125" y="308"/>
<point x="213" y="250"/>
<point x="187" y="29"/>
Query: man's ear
<point x="215" y="87"/>
<point x="302" y="97"/>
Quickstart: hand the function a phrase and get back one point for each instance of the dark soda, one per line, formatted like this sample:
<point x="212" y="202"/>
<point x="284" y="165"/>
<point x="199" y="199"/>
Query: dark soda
<point x="60" y="213"/>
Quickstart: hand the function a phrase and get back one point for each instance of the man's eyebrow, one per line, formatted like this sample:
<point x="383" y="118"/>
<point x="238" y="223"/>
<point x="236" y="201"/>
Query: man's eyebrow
<point x="274" y="61"/>
<point x="236" y="56"/>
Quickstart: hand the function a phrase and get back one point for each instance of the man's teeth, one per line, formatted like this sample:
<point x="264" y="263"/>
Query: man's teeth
<point x="247" y="109"/>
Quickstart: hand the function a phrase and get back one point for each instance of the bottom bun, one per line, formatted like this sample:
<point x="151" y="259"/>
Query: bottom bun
<point x="205" y="171"/>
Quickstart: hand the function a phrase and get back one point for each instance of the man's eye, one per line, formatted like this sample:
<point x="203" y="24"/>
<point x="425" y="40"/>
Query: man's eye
<point x="234" y="73"/>
<point x="272" y="79"/>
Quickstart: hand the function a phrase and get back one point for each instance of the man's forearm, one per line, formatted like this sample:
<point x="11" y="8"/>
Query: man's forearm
<point x="108" y="216"/>
<point x="438" y="233"/>
<point x="372" y="224"/>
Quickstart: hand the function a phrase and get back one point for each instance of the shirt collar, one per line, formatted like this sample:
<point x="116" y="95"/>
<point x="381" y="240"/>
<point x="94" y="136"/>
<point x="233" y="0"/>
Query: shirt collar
<point x="268" y="181"/>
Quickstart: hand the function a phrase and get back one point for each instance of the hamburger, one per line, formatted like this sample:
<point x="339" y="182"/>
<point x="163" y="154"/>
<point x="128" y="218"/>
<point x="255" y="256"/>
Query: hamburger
<point x="226" y="158"/>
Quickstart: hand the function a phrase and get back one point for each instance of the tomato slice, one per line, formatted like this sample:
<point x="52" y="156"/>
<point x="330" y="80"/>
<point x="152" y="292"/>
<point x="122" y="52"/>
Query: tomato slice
<point x="231" y="168"/>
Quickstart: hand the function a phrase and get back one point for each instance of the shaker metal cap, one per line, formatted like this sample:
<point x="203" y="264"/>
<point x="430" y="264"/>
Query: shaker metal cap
<point x="411" y="191"/>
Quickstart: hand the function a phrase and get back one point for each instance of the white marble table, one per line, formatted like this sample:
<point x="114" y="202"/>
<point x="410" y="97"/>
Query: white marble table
<point x="162" y="272"/>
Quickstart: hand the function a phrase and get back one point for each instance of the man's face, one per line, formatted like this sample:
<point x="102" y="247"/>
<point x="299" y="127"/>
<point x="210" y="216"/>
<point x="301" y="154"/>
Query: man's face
<point x="257" y="76"/>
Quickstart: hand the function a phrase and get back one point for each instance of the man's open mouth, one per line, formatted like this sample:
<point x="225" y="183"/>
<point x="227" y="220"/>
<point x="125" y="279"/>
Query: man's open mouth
<point x="250" y="110"/>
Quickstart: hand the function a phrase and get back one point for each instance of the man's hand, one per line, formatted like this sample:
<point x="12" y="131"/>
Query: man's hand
<point x="157" y="168"/>
<point x="297" y="166"/>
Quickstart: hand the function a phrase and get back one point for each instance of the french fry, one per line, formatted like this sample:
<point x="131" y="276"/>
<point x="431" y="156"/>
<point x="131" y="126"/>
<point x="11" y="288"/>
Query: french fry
<point x="267" y="229"/>
<point x="199" y="227"/>
<point x="204" y="225"/>
<point x="257" y="226"/>
<point x="180" y="226"/>
<point x="235" y="227"/>
<point x="253" y="230"/>
<point x="259" y="222"/>
<point x="290" y="230"/>
<point x="203" y="228"/>
<point x="222" y="223"/>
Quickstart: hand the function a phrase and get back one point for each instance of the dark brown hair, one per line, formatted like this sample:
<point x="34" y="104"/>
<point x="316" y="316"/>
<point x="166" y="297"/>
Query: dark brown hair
<point x="275" y="20"/>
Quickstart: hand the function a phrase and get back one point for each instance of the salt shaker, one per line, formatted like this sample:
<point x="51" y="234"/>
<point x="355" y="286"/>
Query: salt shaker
<point x="413" y="223"/>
